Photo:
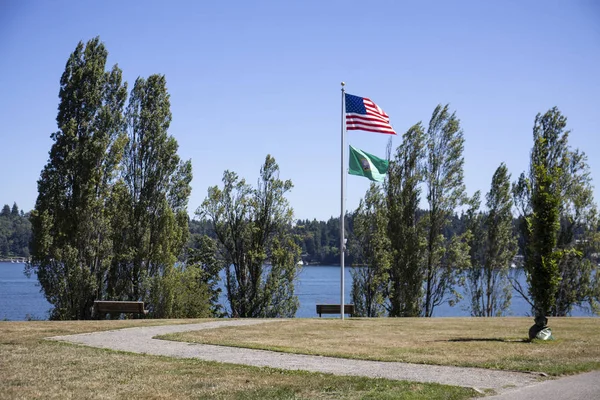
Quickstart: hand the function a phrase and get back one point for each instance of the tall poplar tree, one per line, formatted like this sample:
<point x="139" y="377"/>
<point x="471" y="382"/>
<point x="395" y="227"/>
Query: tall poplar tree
<point x="71" y="245"/>
<point x="150" y="219"/>
<point x="578" y="239"/>
<point x="444" y="257"/>
<point x="492" y="250"/>
<point x="369" y="284"/>
<point x="558" y="222"/>
<point x="405" y="230"/>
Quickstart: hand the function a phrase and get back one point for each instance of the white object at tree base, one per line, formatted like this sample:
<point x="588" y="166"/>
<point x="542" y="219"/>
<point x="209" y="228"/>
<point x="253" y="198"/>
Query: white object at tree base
<point x="545" y="334"/>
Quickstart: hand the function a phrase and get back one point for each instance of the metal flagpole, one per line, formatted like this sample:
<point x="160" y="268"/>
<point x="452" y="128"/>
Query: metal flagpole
<point x="343" y="211"/>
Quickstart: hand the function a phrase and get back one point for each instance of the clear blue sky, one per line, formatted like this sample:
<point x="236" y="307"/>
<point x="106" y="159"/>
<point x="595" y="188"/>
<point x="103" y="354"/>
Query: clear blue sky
<point x="248" y="78"/>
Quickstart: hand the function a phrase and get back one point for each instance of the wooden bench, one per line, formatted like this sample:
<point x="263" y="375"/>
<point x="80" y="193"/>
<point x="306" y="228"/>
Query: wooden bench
<point x="334" y="309"/>
<point x="103" y="307"/>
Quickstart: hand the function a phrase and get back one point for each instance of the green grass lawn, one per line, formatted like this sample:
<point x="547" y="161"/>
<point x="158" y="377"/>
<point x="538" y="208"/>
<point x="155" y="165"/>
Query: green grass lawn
<point x="498" y="343"/>
<point x="34" y="368"/>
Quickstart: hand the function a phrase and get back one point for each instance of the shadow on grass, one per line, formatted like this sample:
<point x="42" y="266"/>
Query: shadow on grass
<point x="487" y="340"/>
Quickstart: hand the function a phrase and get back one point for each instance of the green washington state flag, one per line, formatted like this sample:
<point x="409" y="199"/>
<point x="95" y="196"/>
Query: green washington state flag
<point x="367" y="165"/>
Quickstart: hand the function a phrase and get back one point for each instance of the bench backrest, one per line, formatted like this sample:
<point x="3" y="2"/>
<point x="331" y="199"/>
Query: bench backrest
<point x="103" y="306"/>
<point x="334" y="309"/>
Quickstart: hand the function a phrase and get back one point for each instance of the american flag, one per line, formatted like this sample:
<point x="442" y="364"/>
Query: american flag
<point x="363" y="114"/>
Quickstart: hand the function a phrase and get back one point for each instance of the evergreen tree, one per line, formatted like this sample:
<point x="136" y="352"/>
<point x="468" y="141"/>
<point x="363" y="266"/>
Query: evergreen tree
<point x="4" y="246"/>
<point x="71" y="246"/>
<point x="252" y="226"/>
<point x="5" y="231"/>
<point x="15" y="232"/>
<point x="444" y="257"/>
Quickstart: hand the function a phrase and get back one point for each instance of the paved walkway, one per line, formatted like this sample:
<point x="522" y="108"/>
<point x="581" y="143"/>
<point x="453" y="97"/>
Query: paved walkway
<point x="578" y="387"/>
<point x="140" y="340"/>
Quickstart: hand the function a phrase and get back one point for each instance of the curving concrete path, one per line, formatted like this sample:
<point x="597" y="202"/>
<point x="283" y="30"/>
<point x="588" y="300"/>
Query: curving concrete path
<point x="141" y="340"/>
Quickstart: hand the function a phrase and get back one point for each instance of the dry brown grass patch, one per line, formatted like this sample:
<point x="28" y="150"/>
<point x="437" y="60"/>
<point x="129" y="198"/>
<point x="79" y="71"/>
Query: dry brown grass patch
<point x="31" y="368"/>
<point x="498" y="343"/>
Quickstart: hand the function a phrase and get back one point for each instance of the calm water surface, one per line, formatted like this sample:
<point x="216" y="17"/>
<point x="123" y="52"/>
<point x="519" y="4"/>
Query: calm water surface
<point x="20" y="297"/>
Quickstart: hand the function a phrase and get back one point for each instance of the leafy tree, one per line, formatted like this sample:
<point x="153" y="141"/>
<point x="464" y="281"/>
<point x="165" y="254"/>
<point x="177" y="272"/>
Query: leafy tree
<point x="71" y="246"/>
<point x="579" y="275"/>
<point x="252" y="226"/>
<point x="191" y="298"/>
<point x="203" y="260"/>
<point x="370" y="280"/>
<point x="5" y="211"/>
<point x="544" y="224"/>
<point x="405" y="231"/>
<point x="578" y="239"/>
<point x="558" y="222"/>
<point x="444" y="257"/>
<point x="150" y="221"/>
<point x="474" y="276"/>
<point x="492" y="250"/>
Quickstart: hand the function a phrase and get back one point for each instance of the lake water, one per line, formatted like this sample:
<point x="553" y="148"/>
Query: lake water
<point x="20" y="297"/>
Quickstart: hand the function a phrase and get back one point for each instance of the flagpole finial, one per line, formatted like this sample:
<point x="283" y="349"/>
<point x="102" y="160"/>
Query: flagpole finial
<point x="343" y="84"/>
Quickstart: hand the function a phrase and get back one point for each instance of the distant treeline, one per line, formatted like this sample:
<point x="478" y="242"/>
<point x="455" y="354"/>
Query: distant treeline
<point x="320" y="240"/>
<point x="15" y="232"/>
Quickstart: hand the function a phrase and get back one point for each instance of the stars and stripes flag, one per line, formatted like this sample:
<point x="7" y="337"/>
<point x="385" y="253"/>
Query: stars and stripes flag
<point x="362" y="114"/>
